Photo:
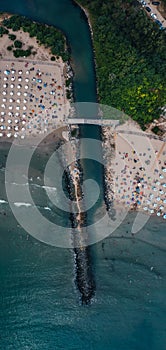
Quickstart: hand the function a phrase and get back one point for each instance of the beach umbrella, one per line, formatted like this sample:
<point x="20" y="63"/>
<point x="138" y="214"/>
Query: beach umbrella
<point x="22" y="136"/>
<point x="12" y="86"/>
<point x="26" y="87"/>
<point x="24" y="108"/>
<point x="161" y="177"/>
<point x="13" y="79"/>
<point x="20" y="71"/>
<point x="27" y="72"/>
<point x="164" y="185"/>
<point x="4" y="92"/>
<point x="2" y="113"/>
<point x="15" y="135"/>
<point x="155" y="205"/>
<point x="3" y="106"/>
<point x="13" y="71"/>
<point x="158" y="199"/>
<point x="10" y="107"/>
<point x="1" y="134"/>
<point x="161" y="192"/>
<point x="26" y="79"/>
<point x="9" y="128"/>
<point x="16" y="121"/>
<point x="161" y="207"/>
<point x="10" y="113"/>
<point x="25" y="94"/>
<point x="11" y="93"/>
<point x="9" y="121"/>
<point x="4" y="100"/>
<point x="164" y="201"/>
<point x="17" y="107"/>
<point x="151" y="211"/>
<point x="2" y="120"/>
<point x="9" y="134"/>
<point x="10" y="100"/>
<point x="164" y="216"/>
<point x="16" y="128"/>
<point x="5" y="78"/>
<point x="158" y="214"/>
<point x="19" y="86"/>
<point x="24" y="122"/>
<point x="18" y="100"/>
<point x="164" y="170"/>
<point x="145" y="208"/>
<point x="25" y="101"/>
<point x="17" y="114"/>
<point x="158" y="183"/>
<point x="5" y="85"/>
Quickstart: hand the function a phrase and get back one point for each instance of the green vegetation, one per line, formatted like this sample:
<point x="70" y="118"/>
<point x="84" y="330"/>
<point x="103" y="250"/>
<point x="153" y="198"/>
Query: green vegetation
<point x="3" y="31"/>
<point x="9" y="48"/>
<point x="12" y="37"/>
<point x="22" y="53"/>
<point x="49" y="36"/>
<point x="18" y="44"/>
<point x="130" y="54"/>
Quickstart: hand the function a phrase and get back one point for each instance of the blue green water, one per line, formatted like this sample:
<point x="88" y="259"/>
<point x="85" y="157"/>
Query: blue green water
<point x="40" y="306"/>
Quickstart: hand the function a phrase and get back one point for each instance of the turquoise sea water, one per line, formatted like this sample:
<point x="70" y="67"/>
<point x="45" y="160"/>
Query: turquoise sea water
<point x="40" y="306"/>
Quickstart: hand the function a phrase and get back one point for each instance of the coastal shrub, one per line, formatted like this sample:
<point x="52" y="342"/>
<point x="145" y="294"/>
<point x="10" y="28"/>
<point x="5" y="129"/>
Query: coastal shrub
<point x="18" y="44"/>
<point x="9" y="48"/>
<point x="49" y="36"/>
<point x="12" y="37"/>
<point x="3" y="31"/>
<point x="52" y="58"/>
<point x="21" y="53"/>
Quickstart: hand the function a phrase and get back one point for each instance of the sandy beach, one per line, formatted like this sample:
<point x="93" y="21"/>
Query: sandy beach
<point x="136" y="172"/>
<point x="32" y="90"/>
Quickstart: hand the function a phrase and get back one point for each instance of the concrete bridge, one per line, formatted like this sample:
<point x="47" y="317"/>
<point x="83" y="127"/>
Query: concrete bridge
<point x="99" y="121"/>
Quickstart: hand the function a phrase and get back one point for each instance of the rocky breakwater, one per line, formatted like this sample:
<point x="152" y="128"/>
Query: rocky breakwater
<point x="74" y="178"/>
<point x="108" y="142"/>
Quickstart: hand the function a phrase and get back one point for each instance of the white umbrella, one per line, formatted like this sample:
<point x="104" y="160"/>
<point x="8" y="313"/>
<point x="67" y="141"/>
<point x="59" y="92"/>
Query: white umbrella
<point x="15" y="135"/>
<point x="11" y="93"/>
<point x="20" y="71"/>
<point x="10" y="107"/>
<point x="17" y="114"/>
<point x="16" y="121"/>
<point x="27" y="72"/>
<point x="9" y="127"/>
<point x="12" y="86"/>
<point x="2" y="120"/>
<point x="25" y="94"/>
<point x="9" y="121"/>
<point x="4" y="99"/>
<point x="26" y="87"/>
<point x="10" y="100"/>
<point x="4" y="92"/>
<point x="17" y="107"/>
<point x="5" y="78"/>
<point x="18" y="100"/>
<point x="2" y="113"/>
<point x="3" y="106"/>
<point x="26" y="80"/>
<point x="24" y="108"/>
<point x="1" y="134"/>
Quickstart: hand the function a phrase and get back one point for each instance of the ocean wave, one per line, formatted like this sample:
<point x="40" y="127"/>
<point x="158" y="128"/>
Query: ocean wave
<point x="21" y="204"/>
<point x="3" y="201"/>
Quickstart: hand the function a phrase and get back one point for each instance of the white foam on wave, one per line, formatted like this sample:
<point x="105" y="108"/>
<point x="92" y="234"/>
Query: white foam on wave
<point x="3" y="201"/>
<point x="47" y="208"/>
<point x="19" y="204"/>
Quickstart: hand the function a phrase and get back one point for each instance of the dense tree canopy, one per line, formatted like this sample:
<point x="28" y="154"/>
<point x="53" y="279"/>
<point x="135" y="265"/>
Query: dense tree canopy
<point x="131" y="58"/>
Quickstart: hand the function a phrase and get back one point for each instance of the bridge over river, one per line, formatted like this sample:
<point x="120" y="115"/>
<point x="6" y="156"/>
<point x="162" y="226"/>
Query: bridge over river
<point x="99" y="121"/>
